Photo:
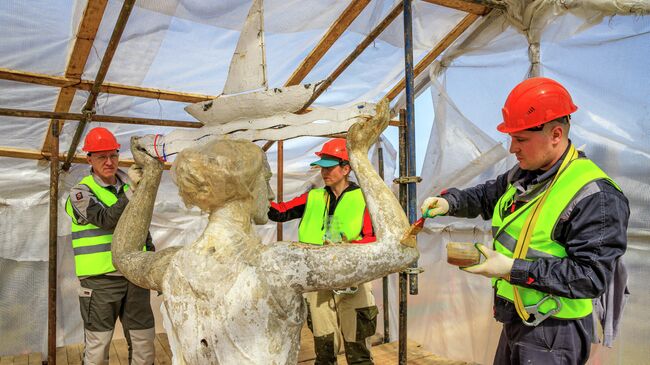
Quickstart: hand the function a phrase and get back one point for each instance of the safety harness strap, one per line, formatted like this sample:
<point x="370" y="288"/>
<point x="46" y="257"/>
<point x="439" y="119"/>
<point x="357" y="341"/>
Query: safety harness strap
<point x="521" y="249"/>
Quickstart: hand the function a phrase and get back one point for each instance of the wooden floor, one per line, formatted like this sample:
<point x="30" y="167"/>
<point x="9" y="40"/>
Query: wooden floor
<point x="383" y="354"/>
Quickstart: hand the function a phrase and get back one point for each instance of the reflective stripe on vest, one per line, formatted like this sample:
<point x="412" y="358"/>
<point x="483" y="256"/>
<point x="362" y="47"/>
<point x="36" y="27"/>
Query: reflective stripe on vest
<point x="348" y="213"/>
<point x="91" y="244"/>
<point x="578" y="174"/>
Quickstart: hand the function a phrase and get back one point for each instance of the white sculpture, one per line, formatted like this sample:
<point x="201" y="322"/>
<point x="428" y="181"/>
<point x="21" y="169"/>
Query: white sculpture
<point x="229" y="299"/>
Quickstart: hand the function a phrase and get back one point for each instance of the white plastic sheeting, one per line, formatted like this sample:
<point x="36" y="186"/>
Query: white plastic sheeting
<point x="186" y="46"/>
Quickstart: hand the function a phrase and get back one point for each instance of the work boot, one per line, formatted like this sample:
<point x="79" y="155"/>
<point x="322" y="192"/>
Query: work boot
<point x="358" y="353"/>
<point x="324" y="348"/>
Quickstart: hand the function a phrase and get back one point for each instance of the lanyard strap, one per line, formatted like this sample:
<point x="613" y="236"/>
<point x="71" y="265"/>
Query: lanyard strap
<point x="521" y="249"/>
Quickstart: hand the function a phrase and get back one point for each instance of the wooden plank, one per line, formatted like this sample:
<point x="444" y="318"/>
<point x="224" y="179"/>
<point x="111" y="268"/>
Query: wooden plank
<point x="63" y="103"/>
<point x="306" y="345"/>
<point x="162" y="358"/>
<point x="22" y="359"/>
<point x="35" y="358"/>
<point x="38" y="155"/>
<point x="147" y="92"/>
<point x="22" y="113"/>
<point x="383" y="354"/>
<point x="113" y="359"/>
<point x="164" y="342"/>
<point x="388" y="353"/>
<point x="61" y="355"/>
<point x="444" y="43"/>
<point x="107" y="87"/>
<point x="333" y="33"/>
<point x="466" y="6"/>
<point x="74" y="355"/>
<point x="86" y="32"/>
<point x="435" y="360"/>
<point x="36" y="78"/>
<point x="122" y="350"/>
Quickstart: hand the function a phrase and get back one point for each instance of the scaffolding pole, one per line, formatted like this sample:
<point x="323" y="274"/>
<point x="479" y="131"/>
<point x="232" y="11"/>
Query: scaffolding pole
<point x="403" y="277"/>
<point x="407" y="147"/>
<point x="52" y="261"/>
<point x="384" y="280"/>
<point x="280" y="183"/>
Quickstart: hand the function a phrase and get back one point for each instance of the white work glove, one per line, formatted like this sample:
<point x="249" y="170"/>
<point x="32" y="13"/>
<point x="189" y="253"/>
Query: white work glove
<point x="135" y="175"/>
<point x="434" y="206"/>
<point x="496" y="265"/>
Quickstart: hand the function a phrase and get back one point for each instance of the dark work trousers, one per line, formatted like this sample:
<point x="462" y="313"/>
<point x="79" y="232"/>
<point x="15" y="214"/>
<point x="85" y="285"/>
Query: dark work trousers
<point x="354" y="316"/>
<point x="554" y="341"/>
<point x="102" y="300"/>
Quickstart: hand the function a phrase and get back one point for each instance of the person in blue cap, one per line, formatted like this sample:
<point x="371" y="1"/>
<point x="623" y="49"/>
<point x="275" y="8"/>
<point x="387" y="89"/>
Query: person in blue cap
<point x="335" y="214"/>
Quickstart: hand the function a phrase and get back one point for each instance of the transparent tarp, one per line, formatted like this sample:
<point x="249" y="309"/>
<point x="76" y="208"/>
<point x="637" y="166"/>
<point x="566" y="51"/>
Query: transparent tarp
<point x="186" y="46"/>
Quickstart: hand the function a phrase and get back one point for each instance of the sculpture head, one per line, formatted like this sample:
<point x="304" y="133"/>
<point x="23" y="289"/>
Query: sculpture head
<point x="223" y="171"/>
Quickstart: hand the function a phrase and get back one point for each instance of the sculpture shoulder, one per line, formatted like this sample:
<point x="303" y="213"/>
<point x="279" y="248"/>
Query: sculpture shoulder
<point x="281" y="261"/>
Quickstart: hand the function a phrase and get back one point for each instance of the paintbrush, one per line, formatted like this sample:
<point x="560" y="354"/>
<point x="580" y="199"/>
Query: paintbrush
<point x="408" y="239"/>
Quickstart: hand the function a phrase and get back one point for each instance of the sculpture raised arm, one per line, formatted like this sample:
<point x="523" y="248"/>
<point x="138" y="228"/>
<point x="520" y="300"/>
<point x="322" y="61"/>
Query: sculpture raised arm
<point x="309" y="268"/>
<point x="144" y="269"/>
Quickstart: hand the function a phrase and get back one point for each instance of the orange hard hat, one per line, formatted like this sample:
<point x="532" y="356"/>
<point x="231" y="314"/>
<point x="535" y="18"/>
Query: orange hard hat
<point x="100" y="139"/>
<point x="534" y="102"/>
<point x="334" y="148"/>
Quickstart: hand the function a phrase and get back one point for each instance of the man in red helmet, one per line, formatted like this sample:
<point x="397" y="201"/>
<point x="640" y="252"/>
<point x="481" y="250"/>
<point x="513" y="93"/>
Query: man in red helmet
<point x="335" y="214"/>
<point x="95" y="205"/>
<point x="559" y="226"/>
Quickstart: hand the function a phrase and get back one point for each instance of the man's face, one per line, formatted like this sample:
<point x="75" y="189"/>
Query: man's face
<point x="534" y="149"/>
<point x="335" y="174"/>
<point x="104" y="164"/>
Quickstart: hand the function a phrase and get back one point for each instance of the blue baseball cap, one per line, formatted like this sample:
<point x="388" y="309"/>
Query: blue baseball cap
<point x="326" y="161"/>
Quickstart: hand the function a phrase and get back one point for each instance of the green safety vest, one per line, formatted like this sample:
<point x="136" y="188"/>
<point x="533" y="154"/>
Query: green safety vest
<point x="348" y="216"/>
<point x="577" y="174"/>
<point x="91" y="244"/>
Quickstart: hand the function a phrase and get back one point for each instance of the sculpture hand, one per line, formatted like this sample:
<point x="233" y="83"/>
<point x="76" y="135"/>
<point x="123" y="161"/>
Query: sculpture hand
<point x="363" y="134"/>
<point x="141" y="157"/>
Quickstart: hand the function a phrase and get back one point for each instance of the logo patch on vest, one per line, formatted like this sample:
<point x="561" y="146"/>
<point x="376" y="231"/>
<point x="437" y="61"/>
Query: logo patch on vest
<point x="79" y="196"/>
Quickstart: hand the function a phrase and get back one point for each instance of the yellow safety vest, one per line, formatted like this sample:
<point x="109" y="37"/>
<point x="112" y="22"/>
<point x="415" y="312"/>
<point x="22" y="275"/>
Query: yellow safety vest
<point x="506" y="230"/>
<point x="92" y="244"/>
<point x="347" y="218"/>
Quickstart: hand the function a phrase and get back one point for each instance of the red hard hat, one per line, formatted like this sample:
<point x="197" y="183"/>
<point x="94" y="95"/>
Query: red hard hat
<point x="335" y="148"/>
<point x="534" y="102"/>
<point x="100" y="139"/>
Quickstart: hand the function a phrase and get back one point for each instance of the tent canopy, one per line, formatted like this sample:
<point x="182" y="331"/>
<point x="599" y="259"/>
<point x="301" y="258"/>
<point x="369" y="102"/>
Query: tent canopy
<point x="468" y="54"/>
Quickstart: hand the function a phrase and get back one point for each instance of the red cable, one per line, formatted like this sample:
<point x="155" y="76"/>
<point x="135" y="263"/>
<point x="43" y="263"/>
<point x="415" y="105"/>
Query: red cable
<point x="155" y="149"/>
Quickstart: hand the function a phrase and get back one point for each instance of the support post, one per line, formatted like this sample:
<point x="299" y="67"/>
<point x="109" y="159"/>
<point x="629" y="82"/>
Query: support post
<point x="410" y="127"/>
<point x="384" y="280"/>
<point x="403" y="277"/>
<point x="89" y="107"/>
<point x="280" y="184"/>
<point x="52" y="262"/>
